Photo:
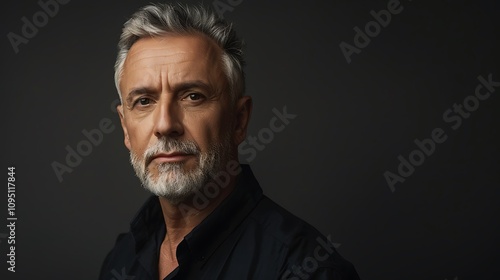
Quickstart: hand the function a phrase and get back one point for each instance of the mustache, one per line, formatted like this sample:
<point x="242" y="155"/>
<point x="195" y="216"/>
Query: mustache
<point x="170" y="145"/>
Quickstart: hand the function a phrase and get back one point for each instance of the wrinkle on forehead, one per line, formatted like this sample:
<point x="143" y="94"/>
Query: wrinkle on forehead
<point x="172" y="48"/>
<point x="177" y="55"/>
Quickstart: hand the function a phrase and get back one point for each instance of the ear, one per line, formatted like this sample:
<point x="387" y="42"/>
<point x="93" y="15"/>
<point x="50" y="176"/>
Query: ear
<point x="119" y="109"/>
<point x="243" y="113"/>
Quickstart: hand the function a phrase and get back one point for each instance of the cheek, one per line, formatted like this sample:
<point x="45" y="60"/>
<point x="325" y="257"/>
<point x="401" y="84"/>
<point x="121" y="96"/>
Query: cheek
<point x="208" y="130"/>
<point x="202" y="131"/>
<point x="139" y="137"/>
<point x="226" y="124"/>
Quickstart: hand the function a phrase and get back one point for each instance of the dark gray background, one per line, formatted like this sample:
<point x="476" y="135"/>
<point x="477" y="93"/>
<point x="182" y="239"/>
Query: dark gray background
<point x="353" y="120"/>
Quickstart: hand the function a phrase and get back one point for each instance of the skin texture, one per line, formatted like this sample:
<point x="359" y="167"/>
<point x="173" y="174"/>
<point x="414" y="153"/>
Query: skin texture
<point x="174" y="86"/>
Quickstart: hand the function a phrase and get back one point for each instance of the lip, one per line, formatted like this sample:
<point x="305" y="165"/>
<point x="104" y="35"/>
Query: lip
<point x="170" y="157"/>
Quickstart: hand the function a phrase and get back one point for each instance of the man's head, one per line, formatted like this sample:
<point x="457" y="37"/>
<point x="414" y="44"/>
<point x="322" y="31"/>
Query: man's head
<point x="180" y="79"/>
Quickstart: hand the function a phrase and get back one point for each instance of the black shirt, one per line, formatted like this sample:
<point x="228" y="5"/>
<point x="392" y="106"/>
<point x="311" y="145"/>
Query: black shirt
<point x="247" y="236"/>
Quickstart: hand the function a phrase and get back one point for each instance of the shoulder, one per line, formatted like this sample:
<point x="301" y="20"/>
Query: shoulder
<point x="286" y="228"/>
<point x="307" y="252"/>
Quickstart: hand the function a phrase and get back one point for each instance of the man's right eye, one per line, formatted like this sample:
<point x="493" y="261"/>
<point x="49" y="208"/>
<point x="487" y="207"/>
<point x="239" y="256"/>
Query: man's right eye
<point x="144" y="101"/>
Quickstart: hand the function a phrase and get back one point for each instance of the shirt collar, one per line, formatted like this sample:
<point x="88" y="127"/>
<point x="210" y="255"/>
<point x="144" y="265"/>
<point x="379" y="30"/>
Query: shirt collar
<point x="211" y="232"/>
<point x="146" y="222"/>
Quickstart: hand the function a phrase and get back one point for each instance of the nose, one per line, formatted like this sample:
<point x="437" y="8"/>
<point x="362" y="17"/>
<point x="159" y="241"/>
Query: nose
<point x="168" y="120"/>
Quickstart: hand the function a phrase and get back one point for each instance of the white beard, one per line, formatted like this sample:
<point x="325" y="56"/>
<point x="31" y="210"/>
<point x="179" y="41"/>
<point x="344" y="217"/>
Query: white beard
<point x="173" y="182"/>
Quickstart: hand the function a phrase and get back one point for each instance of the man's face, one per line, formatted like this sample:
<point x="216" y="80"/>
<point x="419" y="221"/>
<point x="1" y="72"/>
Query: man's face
<point x="178" y="120"/>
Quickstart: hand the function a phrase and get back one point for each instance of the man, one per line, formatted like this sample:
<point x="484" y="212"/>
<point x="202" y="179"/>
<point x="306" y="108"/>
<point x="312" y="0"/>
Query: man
<point x="179" y="73"/>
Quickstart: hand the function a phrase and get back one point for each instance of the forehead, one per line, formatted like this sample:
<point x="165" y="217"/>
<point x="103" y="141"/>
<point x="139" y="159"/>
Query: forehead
<point x="174" y="56"/>
<point x="172" y="46"/>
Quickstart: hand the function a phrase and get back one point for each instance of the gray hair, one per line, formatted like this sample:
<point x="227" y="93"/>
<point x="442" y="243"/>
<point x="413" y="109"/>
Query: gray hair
<point x="160" y="19"/>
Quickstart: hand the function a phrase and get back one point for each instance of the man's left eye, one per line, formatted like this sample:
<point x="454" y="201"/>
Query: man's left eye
<point x="194" y="96"/>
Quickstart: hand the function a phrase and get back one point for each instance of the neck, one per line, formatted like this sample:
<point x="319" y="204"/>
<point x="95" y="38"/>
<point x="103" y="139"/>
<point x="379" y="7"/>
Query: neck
<point x="181" y="218"/>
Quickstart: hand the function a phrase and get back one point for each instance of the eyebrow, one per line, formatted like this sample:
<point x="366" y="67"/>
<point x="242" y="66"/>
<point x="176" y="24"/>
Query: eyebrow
<point x="183" y="86"/>
<point x="138" y="91"/>
<point x="180" y="87"/>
